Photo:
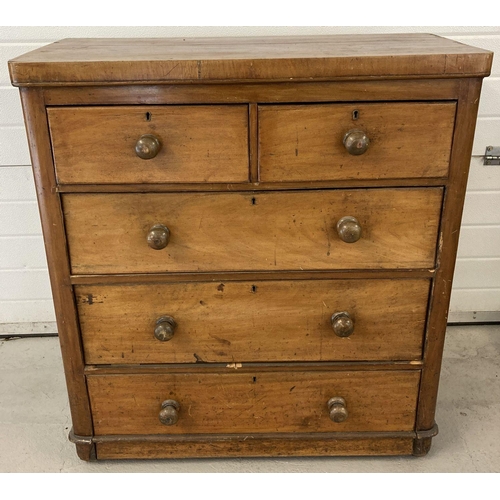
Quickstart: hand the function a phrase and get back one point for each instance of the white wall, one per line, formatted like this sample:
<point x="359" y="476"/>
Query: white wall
<point x="25" y="295"/>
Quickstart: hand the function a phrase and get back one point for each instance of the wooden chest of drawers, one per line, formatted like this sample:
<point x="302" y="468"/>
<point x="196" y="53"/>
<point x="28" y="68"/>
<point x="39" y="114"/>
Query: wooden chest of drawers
<point x="251" y="242"/>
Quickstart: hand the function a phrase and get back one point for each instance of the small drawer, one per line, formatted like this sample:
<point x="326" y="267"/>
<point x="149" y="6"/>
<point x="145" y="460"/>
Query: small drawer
<point x="301" y="230"/>
<point x="254" y="402"/>
<point x="321" y="142"/>
<point x="150" y="144"/>
<point x="258" y="321"/>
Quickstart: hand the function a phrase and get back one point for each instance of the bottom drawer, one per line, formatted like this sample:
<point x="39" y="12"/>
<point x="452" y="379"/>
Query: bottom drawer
<point x="254" y="402"/>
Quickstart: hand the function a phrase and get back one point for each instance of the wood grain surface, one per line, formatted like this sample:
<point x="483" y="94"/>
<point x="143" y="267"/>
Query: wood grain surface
<point x="305" y="142"/>
<point x="286" y="92"/>
<point x="253" y="446"/>
<point x="198" y="144"/>
<point x="253" y="321"/>
<point x="252" y="231"/>
<point x="115" y="60"/>
<point x="254" y="402"/>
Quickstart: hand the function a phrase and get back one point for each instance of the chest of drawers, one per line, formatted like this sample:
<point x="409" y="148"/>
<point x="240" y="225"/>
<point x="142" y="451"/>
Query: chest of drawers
<point x="251" y="242"/>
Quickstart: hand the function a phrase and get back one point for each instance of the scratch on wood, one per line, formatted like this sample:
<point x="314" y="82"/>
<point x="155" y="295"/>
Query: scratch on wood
<point x="172" y="69"/>
<point x="221" y="340"/>
<point x="234" y="365"/>
<point x="329" y="247"/>
<point x="198" y="358"/>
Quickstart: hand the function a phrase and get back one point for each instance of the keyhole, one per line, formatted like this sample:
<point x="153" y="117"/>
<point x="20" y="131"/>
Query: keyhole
<point x="254" y="201"/>
<point x="148" y="116"/>
<point x="355" y="114"/>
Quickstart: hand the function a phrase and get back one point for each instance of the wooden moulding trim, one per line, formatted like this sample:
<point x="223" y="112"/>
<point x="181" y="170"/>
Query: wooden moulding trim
<point x="250" y="186"/>
<point x="251" y="367"/>
<point x="220" y="93"/>
<point x="246" y="437"/>
<point x="238" y="437"/>
<point x="76" y="439"/>
<point x="430" y="433"/>
<point x="106" y="279"/>
<point x="421" y="441"/>
<point x="243" y="80"/>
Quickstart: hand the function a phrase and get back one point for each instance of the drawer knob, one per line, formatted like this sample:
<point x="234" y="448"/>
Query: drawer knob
<point x="147" y="147"/>
<point x="338" y="411"/>
<point x="342" y="324"/>
<point x="356" y="142"/>
<point x="349" y="229"/>
<point x="165" y="328"/>
<point x="169" y="413"/>
<point x="158" y="237"/>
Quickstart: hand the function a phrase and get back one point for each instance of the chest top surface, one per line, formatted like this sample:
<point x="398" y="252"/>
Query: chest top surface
<point x="98" y="61"/>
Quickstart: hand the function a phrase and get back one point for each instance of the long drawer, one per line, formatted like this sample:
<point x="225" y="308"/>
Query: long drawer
<point x="258" y="321"/>
<point x="184" y="143"/>
<point x="297" y="230"/>
<point x="402" y="140"/>
<point x="254" y="402"/>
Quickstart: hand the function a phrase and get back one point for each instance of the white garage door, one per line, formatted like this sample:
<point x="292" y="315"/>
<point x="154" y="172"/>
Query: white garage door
<point x="25" y="298"/>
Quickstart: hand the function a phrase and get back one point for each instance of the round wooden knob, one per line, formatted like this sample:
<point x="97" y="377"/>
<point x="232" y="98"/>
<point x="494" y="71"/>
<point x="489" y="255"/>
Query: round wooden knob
<point x="158" y="237"/>
<point x="147" y="147"/>
<point x="342" y="324"/>
<point x="338" y="411"/>
<point x="169" y="412"/>
<point x="349" y="229"/>
<point x="356" y="142"/>
<point x="165" y="328"/>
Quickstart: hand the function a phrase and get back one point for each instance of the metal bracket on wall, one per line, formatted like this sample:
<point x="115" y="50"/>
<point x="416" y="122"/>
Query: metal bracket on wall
<point x="492" y="156"/>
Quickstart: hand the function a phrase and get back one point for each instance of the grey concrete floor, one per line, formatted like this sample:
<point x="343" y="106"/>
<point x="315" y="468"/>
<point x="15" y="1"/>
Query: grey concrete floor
<point x="34" y="417"/>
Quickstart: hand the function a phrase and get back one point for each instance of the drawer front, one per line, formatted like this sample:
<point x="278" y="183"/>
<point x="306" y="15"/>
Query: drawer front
<point x="253" y="321"/>
<point x="305" y="142"/>
<point x="197" y="144"/>
<point x="254" y="402"/>
<point x="108" y="233"/>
